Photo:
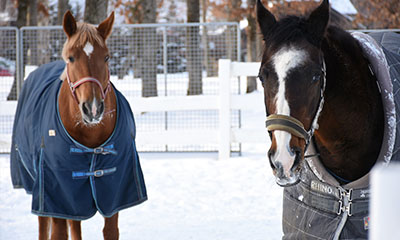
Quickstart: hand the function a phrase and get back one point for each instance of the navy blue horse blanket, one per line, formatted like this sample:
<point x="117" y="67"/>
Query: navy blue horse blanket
<point x="67" y="179"/>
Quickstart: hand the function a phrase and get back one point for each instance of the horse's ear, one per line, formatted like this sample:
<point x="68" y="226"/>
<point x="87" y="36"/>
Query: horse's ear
<point x="265" y="18"/>
<point x="318" y="19"/>
<point x="69" y="24"/>
<point x="105" y="27"/>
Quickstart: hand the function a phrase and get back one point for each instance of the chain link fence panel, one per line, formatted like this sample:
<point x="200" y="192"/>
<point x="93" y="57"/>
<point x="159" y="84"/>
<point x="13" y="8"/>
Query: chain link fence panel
<point x="8" y="79"/>
<point x="149" y="60"/>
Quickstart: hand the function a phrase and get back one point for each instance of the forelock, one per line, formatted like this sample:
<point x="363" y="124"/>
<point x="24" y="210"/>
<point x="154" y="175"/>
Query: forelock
<point x="85" y="33"/>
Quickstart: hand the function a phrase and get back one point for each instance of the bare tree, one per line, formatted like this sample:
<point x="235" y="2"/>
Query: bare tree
<point x="251" y="32"/>
<point x="25" y="8"/>
<point x="22" y="13"/>
<point x="95" y="11"/>
<point x="63" y="6"/>
<point x="148" y="52"/>
<point x="204" y="40"/>
<point x="194" y="64"/>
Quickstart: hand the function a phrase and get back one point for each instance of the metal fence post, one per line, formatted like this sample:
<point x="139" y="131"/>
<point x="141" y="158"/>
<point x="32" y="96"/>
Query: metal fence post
<point x="224" y="76"/>
<point x="19" y="62"/>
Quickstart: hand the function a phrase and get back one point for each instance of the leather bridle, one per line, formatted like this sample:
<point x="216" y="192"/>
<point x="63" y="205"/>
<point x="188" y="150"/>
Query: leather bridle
<point x="293" y="125"/>
<point x="74" y="85"/>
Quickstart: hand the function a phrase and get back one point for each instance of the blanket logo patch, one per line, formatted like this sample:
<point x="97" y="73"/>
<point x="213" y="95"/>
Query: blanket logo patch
<point x="324" y="188"/>
<point x="52" y="132"/>
<point x="366" y="223"/>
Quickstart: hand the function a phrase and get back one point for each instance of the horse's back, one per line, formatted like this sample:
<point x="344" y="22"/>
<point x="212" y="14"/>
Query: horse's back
<point x="35" y="93"/>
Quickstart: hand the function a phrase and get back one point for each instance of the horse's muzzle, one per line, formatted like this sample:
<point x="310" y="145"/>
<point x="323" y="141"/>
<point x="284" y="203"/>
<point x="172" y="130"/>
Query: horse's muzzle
<point x="92" y="112"/>
<point x="289" y="177"/>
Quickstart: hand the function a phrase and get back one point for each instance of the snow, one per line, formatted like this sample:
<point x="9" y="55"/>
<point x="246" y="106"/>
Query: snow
<point x="343" y="6"/>
<point x="191" y="196"/>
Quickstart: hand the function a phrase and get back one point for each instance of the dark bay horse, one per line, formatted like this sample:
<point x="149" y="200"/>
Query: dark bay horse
<point x="321" y="98"/>
<point x="74" y="148"/>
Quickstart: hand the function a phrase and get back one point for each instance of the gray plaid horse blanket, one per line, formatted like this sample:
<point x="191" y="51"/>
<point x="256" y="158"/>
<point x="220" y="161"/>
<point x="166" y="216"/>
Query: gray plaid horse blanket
<point x="67" y="179"/>
<point x="319" y="207"/>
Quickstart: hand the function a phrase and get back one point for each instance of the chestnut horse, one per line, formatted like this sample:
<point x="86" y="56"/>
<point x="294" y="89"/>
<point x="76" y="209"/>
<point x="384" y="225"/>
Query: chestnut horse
<point x="87" y="134"/>
<point x="83" y="112"/>
<point x="322" y="102"/>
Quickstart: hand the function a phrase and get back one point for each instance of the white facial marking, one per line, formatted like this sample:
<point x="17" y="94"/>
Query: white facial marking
<point x="88" y="49"/>
<point x="284" y="60"/>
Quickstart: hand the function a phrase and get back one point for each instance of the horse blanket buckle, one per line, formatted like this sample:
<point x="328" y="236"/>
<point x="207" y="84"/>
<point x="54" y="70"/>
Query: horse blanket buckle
<point x="98" y="173"/>
<point x="99" y="150"/>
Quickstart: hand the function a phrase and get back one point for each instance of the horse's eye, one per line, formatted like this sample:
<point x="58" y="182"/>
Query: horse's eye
<point x="107" y="58"/>
<point x="316" y="78"/>
<point x="71" y="59"/>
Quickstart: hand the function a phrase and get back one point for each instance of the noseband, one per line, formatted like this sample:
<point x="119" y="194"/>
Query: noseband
<point x="293" y="125"/>
<point x="74" y="85"/>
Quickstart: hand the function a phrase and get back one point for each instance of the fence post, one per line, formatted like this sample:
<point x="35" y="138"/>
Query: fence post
<point x="385" y="205"/>
<point x="224" y="76"/>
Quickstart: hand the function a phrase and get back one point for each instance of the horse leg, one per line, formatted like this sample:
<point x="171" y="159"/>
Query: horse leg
<point x="75" y="228"/>
<point x="59" y="229"/>
<point x="110" y="230"/>
<point x="44" y="228"/>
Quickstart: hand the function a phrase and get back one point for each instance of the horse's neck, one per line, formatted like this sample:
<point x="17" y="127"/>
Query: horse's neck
<point x="90" y="136"/>
<point x="351" y="125"/>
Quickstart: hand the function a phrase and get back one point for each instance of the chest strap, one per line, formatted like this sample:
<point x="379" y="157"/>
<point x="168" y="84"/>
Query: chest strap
<point x="333" y="199"/>
<point x="97" y="173"/>
<point x="108" y="149"/>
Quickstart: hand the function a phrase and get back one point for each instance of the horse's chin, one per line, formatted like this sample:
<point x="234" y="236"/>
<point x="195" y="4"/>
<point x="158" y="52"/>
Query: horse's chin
<point x="288" y="181"/>
<point x="91" y="122"/>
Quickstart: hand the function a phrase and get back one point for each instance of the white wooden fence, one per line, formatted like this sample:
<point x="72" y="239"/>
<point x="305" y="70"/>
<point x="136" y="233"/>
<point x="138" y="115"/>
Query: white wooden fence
<point x="385" y="205"/>
<point x="223" y="102"/>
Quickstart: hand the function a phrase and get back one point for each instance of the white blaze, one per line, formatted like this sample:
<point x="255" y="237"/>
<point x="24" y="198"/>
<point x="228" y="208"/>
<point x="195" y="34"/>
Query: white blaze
<point x="88" y="49"/>
<point x="284" y="60"/>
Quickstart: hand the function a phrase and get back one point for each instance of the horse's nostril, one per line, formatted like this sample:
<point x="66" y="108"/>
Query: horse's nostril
<point x="100" y="110"/>
<point x="86" y="108"/>
<point x="271" y="153"/>
<point x="297" y="158"/>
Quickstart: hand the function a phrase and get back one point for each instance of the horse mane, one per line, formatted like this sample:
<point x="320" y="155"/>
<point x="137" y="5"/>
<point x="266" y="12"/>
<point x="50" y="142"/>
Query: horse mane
<point x="337" y="38"/>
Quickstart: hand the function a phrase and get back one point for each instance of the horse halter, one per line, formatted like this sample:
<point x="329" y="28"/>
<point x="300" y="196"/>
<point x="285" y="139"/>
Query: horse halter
<point x="74" y="85"/>
<point x="293" y="125"/>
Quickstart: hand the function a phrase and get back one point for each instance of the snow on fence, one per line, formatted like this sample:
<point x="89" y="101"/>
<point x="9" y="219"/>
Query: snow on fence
<point x="385" y="206"/>
<point x="224" y="102"/>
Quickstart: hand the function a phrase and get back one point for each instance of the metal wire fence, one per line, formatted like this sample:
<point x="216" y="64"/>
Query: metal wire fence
<point x="8" y="75"/>
<point x="147" y="60"/>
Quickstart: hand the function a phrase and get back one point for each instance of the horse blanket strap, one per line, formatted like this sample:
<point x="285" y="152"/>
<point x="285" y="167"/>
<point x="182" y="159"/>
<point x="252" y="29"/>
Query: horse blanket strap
<point x="97" y="173"/>
<point x="314" y="209"/>
<point x="286" y="123"/>
<point x="332" y="199"/>
<point x="67" y="179"/>
<point x="109" y="149"/>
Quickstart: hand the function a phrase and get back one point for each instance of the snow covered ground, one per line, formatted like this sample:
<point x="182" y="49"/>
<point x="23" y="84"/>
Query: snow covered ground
<point x="191" y="196"/>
